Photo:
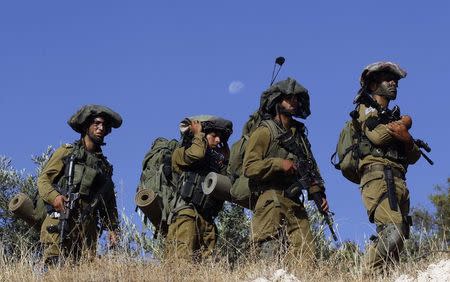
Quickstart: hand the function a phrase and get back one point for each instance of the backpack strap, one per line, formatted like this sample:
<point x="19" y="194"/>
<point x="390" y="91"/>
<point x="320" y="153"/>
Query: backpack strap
<point x="273" y="127"/>
<point x="274" y="130"/>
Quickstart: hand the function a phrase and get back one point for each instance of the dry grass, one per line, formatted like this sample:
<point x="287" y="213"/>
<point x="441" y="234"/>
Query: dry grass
<point x="119" y="267"/>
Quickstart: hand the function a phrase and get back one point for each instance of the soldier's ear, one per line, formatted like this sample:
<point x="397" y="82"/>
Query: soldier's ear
<point x="107" y="127"/>
<point x="85" y="128"/>
<point x="372" y="85"/>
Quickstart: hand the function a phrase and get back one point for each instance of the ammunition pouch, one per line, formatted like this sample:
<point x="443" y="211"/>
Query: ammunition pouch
<point x="390" y="152"/>
<point x="191" y="191"/>
<point x="84" y="179"/>
<point x="87" y="181"/>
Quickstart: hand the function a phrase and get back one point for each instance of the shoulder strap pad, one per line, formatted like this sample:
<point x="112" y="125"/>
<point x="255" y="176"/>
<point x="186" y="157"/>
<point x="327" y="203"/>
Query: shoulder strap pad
<point x="68" y="145"/>
<point x="273" y="127"/>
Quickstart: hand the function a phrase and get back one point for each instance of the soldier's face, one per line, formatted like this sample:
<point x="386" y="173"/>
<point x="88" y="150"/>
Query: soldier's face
<point x="290" y="103"/>
<point x="213" y="139"/>
<point x="98" y="129"/>
<point x="385" y="84"/>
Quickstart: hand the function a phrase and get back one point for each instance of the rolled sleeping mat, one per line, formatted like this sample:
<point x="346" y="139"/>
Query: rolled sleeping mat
<point x="22" y="207"/>
<point x="150" y="204"/>
<point x="219" y="187"/>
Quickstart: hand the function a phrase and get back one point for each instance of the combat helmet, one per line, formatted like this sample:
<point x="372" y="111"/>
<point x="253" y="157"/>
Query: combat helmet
<point x="79" y="120"/>
<point x="209" y="123"/>
<point x="391" y="67"/>
<point x="275" y="93"/>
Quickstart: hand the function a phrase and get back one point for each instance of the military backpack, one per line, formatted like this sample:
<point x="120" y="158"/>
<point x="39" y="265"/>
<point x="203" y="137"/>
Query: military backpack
<point x="240" y="191"/>
<point x="348" y="151"/>
<point x="156" y="193"/>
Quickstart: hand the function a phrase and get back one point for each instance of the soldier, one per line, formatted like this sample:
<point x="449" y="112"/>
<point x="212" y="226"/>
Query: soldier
<point x="192" y="232"/>
<point x="387" y="150"/>
<point x="271" y="161"/>
<point x="91" y="175"/>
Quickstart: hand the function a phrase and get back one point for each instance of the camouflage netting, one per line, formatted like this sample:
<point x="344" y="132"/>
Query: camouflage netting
<point x="286" y="87"/>
<point x="379" y="67"/>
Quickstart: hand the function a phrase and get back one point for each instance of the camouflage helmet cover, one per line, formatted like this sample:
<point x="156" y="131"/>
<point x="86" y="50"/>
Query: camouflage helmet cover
<point x="79" y="119"/>
<point x="289" y="86"/>
<point x="379" y="67"/>
<point x="209" y="123"/>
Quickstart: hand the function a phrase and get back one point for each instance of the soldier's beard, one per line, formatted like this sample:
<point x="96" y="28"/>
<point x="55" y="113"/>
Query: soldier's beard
<point x="97" y="140"/>
<point x="284" y="111"/>
<point x="387" y="91"/>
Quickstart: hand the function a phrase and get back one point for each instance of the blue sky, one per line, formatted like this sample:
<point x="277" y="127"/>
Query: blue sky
<point x="156" y="63"/>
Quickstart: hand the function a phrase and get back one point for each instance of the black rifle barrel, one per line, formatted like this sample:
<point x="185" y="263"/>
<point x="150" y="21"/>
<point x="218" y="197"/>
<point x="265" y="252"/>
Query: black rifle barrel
<point x="326" y="215"/>
<point x="65" y="214"/>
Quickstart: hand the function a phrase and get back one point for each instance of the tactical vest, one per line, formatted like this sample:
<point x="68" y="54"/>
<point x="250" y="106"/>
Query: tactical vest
<point x="394" y="151"/>
<point x="276" y="150"/>
<point x="91" y="172"/>
<point x="190" y="185"/>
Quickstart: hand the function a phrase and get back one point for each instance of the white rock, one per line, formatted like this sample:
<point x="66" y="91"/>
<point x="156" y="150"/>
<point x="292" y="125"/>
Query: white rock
<point x="260" y="279"/>
<point x="439" y="272"/>
<point x="404" y="278"/>
<point x="280" y="275"/>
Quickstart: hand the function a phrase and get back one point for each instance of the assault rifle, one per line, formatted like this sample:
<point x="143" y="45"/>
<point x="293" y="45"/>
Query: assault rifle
<point x="307" y="174"/>
<point x="385" y="116"/>
<point x="217" y="160"/>
<point x="68" y="192"/>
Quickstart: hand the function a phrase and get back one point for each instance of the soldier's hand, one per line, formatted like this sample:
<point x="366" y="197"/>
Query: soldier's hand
<point x="324" y="205"/>
<point x="195" y="127"/>
<point x="58" y="203"/>
<point x="407" y="121"/>
<point x="321" y="201"/>
<point x="288" y="166"/>
<point x="399" y="131"/>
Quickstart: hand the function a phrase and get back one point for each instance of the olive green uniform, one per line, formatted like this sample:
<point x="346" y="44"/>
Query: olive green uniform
<point x="91" y="173"/>
<point x="385" y="151"/>
<point x="192" y="233"/>
<point x="277" y="217"/>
